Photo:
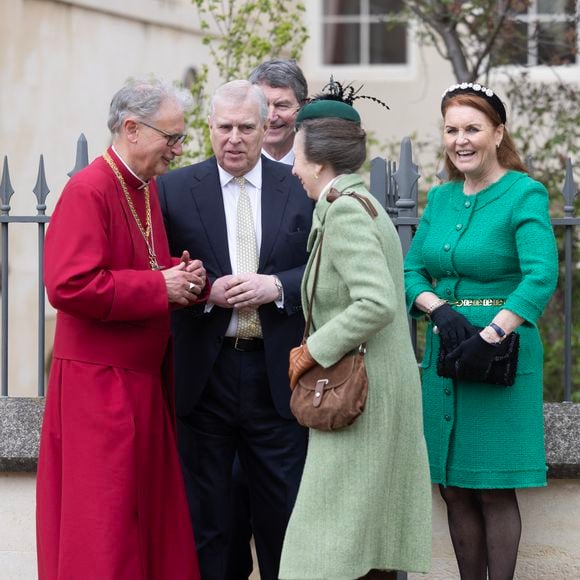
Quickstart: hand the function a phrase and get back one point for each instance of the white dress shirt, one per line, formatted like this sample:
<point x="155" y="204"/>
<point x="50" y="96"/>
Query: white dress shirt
<point x="231" y="194"/>
<point x="288" y="159"/>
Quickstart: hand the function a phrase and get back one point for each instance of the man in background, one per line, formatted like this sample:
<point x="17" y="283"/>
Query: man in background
<point x="285" y="87"/>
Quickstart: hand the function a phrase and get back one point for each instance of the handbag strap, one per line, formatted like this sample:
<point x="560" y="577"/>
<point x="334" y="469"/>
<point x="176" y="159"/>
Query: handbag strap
<point x="333" y="195"/>
<point x="311" y="298"/>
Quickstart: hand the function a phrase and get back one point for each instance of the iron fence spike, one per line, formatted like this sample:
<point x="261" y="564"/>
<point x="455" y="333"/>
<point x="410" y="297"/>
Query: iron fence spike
<point x="41" y="189"/>
<point x="82" y="158"/>
<point x="530" y="165"/>
<point x="569" y="188"/>
<point x="442" y="174"/>
<point x="392" y="191"/>
<point x="406" y="175"/>
<point x="379" y="180"/>
<point x="6" y="190"/>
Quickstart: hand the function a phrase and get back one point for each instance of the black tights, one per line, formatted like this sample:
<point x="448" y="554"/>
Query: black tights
<point x="485" y="527"/>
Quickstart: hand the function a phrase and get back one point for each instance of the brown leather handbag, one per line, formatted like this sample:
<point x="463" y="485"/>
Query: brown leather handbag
<point x="331" y="398"/>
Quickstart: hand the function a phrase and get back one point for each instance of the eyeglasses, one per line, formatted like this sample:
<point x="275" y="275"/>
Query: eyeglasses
<point x="172" y="139"/>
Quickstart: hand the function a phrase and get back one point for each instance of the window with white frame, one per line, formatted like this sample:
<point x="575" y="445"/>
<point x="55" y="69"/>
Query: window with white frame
<point x="364" y="32"/>
<point x="541" y="32"/>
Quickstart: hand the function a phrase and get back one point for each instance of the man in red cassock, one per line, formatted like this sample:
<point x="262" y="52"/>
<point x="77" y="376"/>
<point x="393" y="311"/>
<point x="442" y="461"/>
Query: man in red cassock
<point x="111" y="503"/>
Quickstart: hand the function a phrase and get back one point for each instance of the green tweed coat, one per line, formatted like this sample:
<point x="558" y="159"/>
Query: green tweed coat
<point x="499" y="244"/>
<point x="364" y="500"/>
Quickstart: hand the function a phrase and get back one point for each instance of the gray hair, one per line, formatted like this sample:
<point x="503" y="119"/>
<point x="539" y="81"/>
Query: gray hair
<point x="280" y="74"/>
<point x="236" y="92"/>
<point x="142" y="98"/>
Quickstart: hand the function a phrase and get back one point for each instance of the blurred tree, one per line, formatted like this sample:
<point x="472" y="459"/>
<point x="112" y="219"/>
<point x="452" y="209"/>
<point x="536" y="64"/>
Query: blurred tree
<point x="547" y="142"/>
<point x="240" y="34"/>
<point x="481" y="36"/>
<point x="476" y="36"/>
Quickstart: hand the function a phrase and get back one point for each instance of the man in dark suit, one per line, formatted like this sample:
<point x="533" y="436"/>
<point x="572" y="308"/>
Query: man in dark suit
<point x="286" y="89"/>
<point x="231" y="367"/>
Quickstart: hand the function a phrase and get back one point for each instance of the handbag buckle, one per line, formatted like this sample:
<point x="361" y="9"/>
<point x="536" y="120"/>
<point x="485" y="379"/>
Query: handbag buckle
<point x="318" y="391"/>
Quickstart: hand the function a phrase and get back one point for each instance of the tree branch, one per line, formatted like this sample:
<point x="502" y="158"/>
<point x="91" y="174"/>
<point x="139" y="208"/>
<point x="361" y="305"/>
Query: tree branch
<point x="492" y="38"/>
<point x="441" y="22"/>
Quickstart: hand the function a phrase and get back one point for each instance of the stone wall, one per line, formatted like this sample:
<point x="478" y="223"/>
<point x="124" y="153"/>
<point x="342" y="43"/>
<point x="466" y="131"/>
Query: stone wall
<point x="20" y="419"/>
<point x="550" y="546"/>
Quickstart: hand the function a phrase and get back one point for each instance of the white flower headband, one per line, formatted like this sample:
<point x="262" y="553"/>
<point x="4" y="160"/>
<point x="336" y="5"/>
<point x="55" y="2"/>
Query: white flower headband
<point x="478" y="90"/>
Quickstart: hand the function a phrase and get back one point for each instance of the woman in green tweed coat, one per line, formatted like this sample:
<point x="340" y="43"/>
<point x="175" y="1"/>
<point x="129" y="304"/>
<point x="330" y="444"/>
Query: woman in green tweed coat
<point x="484" y="255"/>
<point x="364" y="504"/>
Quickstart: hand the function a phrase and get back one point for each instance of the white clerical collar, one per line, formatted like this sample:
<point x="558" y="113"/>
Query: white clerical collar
<point x="143" y="183"/>
<point x="254" y="176"/>
<point x="288" y="159"/>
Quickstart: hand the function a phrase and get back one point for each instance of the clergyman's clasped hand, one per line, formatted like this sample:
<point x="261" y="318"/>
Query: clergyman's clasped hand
<point x="186" y="281"/>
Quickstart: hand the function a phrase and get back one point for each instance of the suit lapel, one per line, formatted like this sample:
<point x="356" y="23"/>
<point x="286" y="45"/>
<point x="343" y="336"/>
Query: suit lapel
<point x="274" y="199"/>
<point x="207" y="196"/>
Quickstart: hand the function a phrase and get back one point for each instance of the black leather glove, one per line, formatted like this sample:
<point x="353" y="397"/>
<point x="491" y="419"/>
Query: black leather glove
<point x="453" y="327"/>
<point x="472" y="358"/>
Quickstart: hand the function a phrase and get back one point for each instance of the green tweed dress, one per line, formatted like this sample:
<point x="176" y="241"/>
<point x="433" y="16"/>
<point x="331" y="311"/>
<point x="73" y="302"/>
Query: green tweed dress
<point x="500" y="244"/>
<point x="365" y="497"/>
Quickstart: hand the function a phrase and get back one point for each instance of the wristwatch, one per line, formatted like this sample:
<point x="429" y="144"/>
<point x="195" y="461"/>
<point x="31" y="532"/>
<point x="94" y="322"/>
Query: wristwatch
<point x="491" y="335"/>
<point x="279" y="287"/>
<point x="498" y="329"/>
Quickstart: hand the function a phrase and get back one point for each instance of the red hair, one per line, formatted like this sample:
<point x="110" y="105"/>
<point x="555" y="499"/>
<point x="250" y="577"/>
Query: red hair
<point x="507" y="154"/>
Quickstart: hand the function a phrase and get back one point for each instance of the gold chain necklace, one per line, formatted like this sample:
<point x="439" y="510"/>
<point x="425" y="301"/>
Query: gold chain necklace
<point x="146" y="231"/>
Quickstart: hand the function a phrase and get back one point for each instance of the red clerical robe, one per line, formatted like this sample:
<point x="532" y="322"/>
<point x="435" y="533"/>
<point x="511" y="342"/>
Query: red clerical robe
<point x="111" y="502"/>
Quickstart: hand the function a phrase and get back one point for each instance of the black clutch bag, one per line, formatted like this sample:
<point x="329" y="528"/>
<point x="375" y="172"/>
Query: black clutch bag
<point x="501" y="371"/>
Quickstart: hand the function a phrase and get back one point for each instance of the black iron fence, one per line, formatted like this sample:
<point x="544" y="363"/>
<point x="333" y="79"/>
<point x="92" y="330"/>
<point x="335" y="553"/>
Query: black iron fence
<point x="394" y="184"/>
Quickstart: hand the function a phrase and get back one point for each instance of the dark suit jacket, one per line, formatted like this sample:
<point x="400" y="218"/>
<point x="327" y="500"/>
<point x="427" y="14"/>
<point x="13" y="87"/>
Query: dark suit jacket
<point x="192" y="205"/>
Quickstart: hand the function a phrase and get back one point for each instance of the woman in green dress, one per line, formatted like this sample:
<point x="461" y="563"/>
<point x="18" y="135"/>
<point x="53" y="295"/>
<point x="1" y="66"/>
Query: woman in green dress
<point x="364" y="503"/>
<point x="484" y="255"/>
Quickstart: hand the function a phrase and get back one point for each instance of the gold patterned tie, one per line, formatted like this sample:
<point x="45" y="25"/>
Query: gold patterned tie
<point x="248" y="319"/>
